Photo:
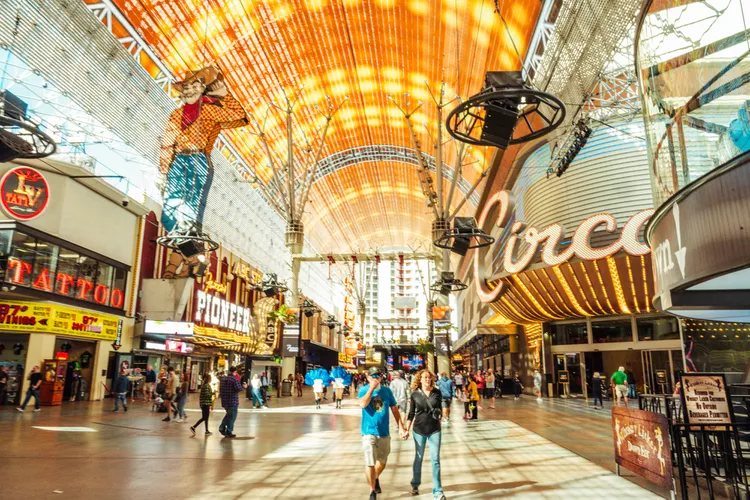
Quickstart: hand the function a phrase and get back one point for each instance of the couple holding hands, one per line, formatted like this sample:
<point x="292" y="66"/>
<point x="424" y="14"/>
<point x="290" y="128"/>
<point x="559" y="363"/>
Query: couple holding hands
<point x="423" y="419"/>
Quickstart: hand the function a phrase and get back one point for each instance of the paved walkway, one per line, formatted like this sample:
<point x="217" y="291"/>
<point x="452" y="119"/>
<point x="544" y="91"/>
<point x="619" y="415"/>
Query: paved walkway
<point x="293" y="451"/>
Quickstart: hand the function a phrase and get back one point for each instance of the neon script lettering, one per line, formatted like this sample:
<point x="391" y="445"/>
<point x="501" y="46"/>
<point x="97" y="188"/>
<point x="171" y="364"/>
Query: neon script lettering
<point x="499" y="209"/>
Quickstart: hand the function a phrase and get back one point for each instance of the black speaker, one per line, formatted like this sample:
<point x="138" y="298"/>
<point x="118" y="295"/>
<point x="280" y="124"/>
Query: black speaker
<point x="309" y="313"/>
<point x="188" y="248"/>
<point x="501" y="114"/>
<point x="12" y="146"/>
<point x="462" y="226"/>
<point x="12" y="106"/>
<point x="270" y="292"/>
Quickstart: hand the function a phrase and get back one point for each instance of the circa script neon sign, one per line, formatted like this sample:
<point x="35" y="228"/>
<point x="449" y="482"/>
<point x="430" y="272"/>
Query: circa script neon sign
<point x="549" y="238"/>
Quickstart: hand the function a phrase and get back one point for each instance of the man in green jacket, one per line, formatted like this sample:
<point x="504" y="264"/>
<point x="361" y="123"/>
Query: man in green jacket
<point x="620" y="381"/>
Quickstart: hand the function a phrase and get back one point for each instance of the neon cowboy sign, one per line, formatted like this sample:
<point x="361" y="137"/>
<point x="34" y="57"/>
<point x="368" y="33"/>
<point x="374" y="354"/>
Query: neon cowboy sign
<point x="549" y="239"/>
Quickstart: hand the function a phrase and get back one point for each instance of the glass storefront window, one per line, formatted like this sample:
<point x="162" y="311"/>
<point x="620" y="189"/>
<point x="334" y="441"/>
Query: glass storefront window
<point x="612" y="331"/>
<point x="574" y="333"/>
<point x="695" y="88"/>
<point x="42" y="265"/>
<point x="21" y="260"/>
<point x="658" y="329"/>
<point x="67" y="272"/>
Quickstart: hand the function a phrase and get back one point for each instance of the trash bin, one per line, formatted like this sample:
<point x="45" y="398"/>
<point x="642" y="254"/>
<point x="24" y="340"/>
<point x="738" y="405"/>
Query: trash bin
<point x="286" y="387"/>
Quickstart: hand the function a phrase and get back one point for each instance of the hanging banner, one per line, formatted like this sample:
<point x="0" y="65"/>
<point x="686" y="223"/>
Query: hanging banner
<point x="39" y="317"/>
<point x="441" y="344"/>
<point x="642" y="444"/>
<point x="290" y="341"/>
<point x="705" y="400"/>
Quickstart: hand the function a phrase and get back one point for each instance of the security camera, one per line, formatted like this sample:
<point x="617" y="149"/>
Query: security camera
<point x="125" y="201"/>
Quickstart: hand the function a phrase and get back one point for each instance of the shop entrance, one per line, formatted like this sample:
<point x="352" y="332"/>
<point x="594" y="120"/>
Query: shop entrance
<point x="661" y="370"/>
<point x="80" y="371"/>
<point x="572" y="363"/>
<point x="13" y="350"/>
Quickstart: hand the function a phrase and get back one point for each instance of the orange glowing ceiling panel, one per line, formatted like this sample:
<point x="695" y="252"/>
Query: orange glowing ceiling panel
<point x="366" y="50"/>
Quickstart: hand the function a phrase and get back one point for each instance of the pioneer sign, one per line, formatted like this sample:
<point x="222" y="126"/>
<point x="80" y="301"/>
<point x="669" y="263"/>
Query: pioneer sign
<point x="642" y="444"/>
<point x="548" y="239"/>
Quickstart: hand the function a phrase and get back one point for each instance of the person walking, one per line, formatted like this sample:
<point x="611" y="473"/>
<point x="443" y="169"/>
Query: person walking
<point x="517" y="386"/>
<point x="375" y="401"/>
<point x="631" y="383"/>
<point x="170" y="392"/>
<point x="229" y="390"/>
<point x="264" y="388"/>
<point x="400" y="389"/>
<point x="620" y="381"/>
<point x="479" y="379"/>
<point x="256" y="392"/>
<point x="499" y="384"/>
<point x="300" y="383"/>
<point x="149" y="383"/>
<point x="538" y="385"/>
<point x="4" y="377"/>
<point x="597" y="387"/>
<point x="318" y="391"/>
<point x="459" y="380"/>
<point x="471" y="399"/>
<point x="447" y="392"/>
<point x="183" y="390"/>
<point x="35" y="382"/>
<point x="206" y="400"/>
<point x="489" y="391"/>
<point x="338" y="390"/>
<point x="424" y="418"/>
<point x="120" y="390"/>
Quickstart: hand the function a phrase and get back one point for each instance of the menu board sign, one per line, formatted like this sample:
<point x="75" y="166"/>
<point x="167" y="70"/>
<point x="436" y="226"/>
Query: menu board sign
<point x="705" y="399"/>
<point x="562" y="376"/>
<point x="642" y="444"/>
<point x="41" y="317"/>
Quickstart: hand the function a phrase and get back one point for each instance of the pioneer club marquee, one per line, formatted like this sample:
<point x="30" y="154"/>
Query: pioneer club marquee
<point x="548" y="240"/>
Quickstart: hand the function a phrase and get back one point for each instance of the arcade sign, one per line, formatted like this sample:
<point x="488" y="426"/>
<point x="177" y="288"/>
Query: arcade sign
<point x="213" y="310"/>
<point x="24" y="192"/>
<point x="549" y="238"/>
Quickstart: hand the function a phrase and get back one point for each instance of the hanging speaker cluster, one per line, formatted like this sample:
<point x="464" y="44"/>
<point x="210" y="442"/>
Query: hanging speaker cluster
<point x="492" y="117"/>
<point x="463" y="236"/>
<point x="448" y="283"/>
<point x="19" y="137"/>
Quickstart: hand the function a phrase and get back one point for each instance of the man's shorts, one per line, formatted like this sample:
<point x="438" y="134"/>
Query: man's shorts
<point x="621" y="391"/>
<point x="149" y="387"/>
<point x="376" y="448"/>
<point x="447" y="402"/>
<point x="402" y="407"/>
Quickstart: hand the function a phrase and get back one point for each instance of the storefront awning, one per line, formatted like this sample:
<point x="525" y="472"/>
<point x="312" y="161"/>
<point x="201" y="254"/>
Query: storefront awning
<point x="264" y="362"/>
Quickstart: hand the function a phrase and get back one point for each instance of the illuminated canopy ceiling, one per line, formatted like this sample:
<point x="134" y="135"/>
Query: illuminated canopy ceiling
<point x="366" y="50"/>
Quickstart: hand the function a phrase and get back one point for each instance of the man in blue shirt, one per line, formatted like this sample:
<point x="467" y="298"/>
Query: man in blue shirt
<point x="448" y="391"/>
<point x="229" y="390"/>
<point x="375" y="400"/>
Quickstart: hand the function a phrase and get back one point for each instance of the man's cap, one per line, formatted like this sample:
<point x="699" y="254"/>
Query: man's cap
<point x="375" y="370"/>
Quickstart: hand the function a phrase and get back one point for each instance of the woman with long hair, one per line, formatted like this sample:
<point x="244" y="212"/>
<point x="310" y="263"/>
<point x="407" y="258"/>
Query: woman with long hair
<point x="206" y="400"/>
<point x="472" y="399"/>
<point x="425" y="414"/>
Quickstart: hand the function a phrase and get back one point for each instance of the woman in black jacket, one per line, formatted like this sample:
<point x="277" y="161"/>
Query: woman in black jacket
<point x="425" y="415"/>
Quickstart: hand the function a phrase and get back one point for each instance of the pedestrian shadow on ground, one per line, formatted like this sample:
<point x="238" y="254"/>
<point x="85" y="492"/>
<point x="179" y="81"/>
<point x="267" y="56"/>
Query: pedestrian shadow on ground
<point x="475" y="488"/>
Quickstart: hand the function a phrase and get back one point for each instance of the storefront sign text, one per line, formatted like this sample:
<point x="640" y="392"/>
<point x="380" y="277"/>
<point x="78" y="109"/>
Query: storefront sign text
<point x="213" y="310"/>
<point x="24" y="193"/>
<point x="704" y="399"/>
<point x="642" y="444"/>
<point x="549" y="240"/>
<point x="63" y="284"/>
<point x="39" y="317"/>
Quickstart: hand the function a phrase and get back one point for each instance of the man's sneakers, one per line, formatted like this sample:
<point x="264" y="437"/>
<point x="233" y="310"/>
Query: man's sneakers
<point x="414" y="491"/>
<point x="373" y="495"/>
<point x="539" y="400"/>
<point x="230" y="435"/>
<point x="167" y="419"/>
<point x="209" y="433"/>
<point x="37" y="410"/>
<point x="20" y="409"/>
<point x="377" y="486"/>
<point x="441" y="496"/>
<point x="192" y="429"/>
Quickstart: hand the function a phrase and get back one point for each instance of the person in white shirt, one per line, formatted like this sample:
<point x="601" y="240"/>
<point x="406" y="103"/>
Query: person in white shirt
<point x="400" y="389"/>
<point x="256" y="391"/>
<point x="338" y="390"/>
<point x="459" y="381"/>
<point x="318" y="391"/>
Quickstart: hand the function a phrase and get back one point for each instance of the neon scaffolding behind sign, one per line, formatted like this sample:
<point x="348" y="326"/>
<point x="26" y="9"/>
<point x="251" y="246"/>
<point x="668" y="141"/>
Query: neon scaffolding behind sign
<point x="503" y="203"/>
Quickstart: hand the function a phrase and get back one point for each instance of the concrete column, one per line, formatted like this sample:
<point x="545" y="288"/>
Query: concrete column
<point x="443" y="361"/>
<point x="99" y="375"/>
<point x="41" y="347"/>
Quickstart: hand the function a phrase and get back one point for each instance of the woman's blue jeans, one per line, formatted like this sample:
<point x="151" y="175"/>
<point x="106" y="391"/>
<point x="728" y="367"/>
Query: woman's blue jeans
<point x="257" y="398"/>
<point x="420" y="442"/>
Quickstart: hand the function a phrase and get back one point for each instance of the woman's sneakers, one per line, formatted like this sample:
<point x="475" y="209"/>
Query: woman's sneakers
<point x="192" y="429"/>
<point x="377" y="486"/>
<point x="415" y="491"/>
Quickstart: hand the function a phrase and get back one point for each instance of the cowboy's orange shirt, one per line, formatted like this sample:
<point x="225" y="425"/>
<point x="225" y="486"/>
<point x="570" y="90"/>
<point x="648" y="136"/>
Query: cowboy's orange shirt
<point x="202" y="133"/>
